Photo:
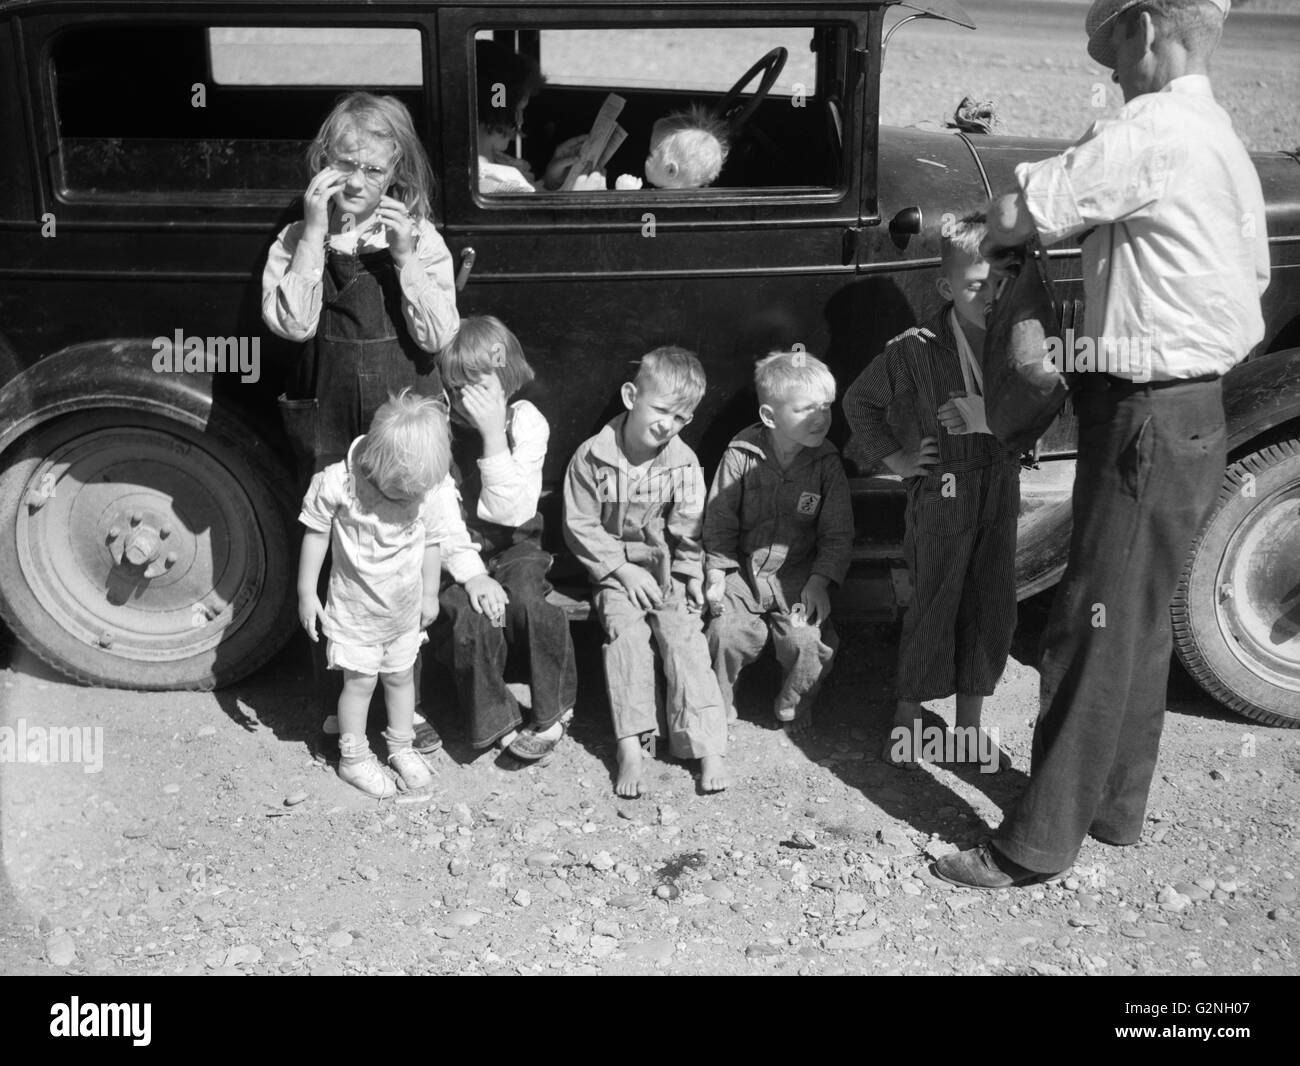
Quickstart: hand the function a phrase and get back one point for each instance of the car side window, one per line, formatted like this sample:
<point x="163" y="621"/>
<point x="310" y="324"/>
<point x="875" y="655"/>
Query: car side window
<point x="654" y="109"/>
<point x="192" y="113"/>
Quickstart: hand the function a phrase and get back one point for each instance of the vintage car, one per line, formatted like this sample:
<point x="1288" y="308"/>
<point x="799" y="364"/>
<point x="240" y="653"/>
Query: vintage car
<point x="151" y="151"/>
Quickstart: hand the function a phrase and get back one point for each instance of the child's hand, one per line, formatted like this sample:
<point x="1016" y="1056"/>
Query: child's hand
<point x="695" y="593"/>
<point x="816" y="600"/>
<point x="915" y="463"/>
<point x="564" y="156"/>
<point x="428" y="610"/>
<point x="488" y="598"/>
<point x="641" y="588"/>
<point x="484" y="403"/>
<point x="715" y="592"/>
<point x="309" y="613"/>
<point x="950" y="416"/>
<point x="401" y="228"/>
<point x="316" y="202"/>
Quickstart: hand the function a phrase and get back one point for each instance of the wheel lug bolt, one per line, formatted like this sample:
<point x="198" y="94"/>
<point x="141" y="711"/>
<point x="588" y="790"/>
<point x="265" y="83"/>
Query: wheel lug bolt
<point x="170" y="560"/>
<point x="114" y="533"/>
<point x="165" y="532"/>
<point x="136" y="518"/>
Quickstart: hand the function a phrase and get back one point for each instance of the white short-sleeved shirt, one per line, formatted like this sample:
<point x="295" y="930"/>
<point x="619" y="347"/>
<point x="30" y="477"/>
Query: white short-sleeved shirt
<point x="1177" y="256"/>
<point x="377" y="550"/>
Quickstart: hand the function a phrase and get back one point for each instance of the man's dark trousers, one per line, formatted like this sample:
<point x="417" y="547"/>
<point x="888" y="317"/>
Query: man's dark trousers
<point x="1150" y="464"/>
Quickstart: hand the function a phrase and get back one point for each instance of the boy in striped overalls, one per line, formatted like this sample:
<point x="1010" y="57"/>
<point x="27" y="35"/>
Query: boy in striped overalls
<point x="919" y="409"/>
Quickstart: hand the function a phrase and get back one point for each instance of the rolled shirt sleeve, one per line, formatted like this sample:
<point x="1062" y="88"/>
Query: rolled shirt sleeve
<point x="1113" y="174"/>
<point x="429" y="291"/>
<point x="512" y="480"/>
<point x="291" y="301"/>
<point x="325" y="495"/>
<point x="445" y="526"/>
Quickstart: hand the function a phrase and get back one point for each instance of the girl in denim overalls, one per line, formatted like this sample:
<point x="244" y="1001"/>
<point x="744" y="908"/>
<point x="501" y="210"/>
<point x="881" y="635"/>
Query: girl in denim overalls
<point x="365" y="281"/>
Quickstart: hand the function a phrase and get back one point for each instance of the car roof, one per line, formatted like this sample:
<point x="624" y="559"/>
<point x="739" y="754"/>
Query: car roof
<point x="945" y="9"/>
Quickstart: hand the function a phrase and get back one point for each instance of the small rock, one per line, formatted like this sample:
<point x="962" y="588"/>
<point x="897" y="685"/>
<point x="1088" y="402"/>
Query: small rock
<point x="803" y="839"/>
<point x="558" y="887"/>
<point x="171" y="788"/>
<point x="894" y="837"/>
<point x="1228" y="886"/>
<point x="911" y="888"/>
<point x="522" y="898"/>
<point x="61" y="950"/>
<point x="280" y="953"/>
<point x="539" y="831"/>
<point x="718" y="891"/>
<point x="464" y="918"/>
<point x="651" y="950"/>
<point x="757" y="951"/>
<point x="1134" y="932"/>
<point x="295" y="798"/>
<point x="825" y="884"/>
<point x="602" y="946"/>
<point x="858" y="940"/>
<point x="960" y="900"/>
<point x="136" y="832"/>
<point x="1080" y="921"/>
<point x="667" y="816"/>
<point x="207" y="731"/>
<point x="1280" y="914"/>
<point x="627" y="899"/>
<point x="848" y="904"/>
<point x="541" y="859"/>
<point x="367" y="873"/>
<point x="602" y="861"/>
<point x="602" y="927"/>
<point x="667" y="892"/>
<point x="338" y="941"/>
<point x="244" y="955"/>
<point x="1061" y="942"/>
<point x="1072" y="884"/>
<point x="1206" y="883"/>
<point x="1194" y="892"/>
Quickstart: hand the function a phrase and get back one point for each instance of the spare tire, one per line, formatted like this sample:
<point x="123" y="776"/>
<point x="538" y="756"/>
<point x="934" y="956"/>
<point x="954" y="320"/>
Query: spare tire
<point x="1236" y="615"/>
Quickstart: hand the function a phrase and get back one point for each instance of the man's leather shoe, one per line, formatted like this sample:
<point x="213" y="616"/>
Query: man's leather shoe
<point x="983" y="867"/>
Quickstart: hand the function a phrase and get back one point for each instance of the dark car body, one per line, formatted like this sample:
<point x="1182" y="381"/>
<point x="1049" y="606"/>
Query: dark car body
<point x="130" y="211"/>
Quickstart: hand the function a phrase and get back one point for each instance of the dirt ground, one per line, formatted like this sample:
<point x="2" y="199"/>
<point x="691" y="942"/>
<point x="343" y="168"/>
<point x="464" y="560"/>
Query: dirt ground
<point x="182" y="854"/>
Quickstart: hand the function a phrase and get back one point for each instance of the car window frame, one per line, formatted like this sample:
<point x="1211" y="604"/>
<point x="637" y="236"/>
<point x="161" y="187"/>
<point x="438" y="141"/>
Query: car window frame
<point x="239" y="207"/>
<point x="609" y="209"/>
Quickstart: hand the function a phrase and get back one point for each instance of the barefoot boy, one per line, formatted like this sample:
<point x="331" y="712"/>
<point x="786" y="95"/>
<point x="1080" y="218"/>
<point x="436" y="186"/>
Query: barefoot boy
<point x="778" y="533"/>
<point x="633" y="507"/>
<point x="963" y="499"/>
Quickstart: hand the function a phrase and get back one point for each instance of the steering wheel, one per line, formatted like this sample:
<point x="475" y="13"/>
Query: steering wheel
<point x="736" y="114"/>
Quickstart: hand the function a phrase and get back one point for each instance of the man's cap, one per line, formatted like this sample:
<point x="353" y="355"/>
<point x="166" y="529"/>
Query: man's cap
<point x="1101" y="18"/>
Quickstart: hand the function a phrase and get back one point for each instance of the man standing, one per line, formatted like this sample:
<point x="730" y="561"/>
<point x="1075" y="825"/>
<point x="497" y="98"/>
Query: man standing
<point x="1174" y="259"/>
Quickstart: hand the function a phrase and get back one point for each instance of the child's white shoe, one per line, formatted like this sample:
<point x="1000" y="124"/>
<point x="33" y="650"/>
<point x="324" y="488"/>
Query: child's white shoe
<point x="410" y="766"/>
<point x="364" y="773"/>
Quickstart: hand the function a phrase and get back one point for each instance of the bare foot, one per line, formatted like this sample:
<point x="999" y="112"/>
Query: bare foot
<point x="981" y="750"/>
<point x="630" y="768"/>
<point x="898" y="750"/>
<point x="799" y="722"/>
<point x="713" y="773"/>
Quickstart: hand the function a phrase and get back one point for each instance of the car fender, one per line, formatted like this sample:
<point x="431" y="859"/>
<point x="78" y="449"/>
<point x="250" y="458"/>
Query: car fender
<point x="97" y="374"/>
<point x="1260" y="395"/>
<point x="121" y="373"/>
